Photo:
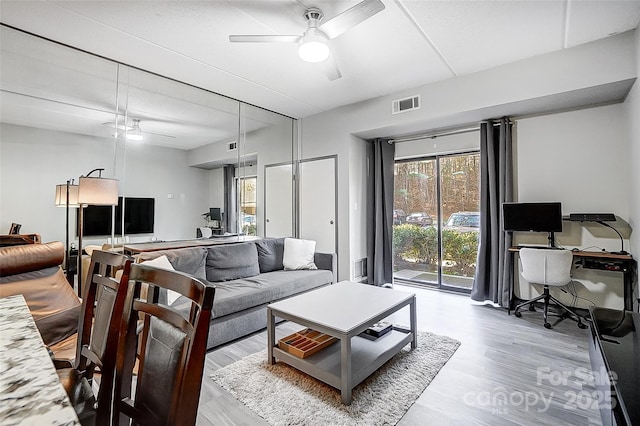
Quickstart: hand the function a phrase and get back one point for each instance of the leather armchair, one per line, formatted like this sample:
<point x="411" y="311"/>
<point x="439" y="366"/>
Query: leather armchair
<point x="34" y="271"/>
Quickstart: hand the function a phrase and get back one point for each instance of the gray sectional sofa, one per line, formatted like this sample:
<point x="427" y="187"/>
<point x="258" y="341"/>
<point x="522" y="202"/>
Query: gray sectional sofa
<point x="248" y="276"/>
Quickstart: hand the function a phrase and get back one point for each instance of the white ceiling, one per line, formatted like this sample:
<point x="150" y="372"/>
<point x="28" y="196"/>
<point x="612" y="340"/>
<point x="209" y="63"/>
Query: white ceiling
<point x="409" y="44"/>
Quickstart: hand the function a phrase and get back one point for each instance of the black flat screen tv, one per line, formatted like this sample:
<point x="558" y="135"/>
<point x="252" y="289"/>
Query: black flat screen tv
<point x="139" y="214"/>
<point x="532" y="217"/>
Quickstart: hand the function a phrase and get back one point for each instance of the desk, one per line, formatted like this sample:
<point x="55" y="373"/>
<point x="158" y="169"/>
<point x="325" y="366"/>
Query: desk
<point x="132" y="249"/>
<point x="30" y="392"/>
<point x="606" y="261"/>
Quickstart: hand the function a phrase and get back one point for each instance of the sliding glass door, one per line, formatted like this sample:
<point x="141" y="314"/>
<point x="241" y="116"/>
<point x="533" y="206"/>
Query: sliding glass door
<point x="436" y="220"/>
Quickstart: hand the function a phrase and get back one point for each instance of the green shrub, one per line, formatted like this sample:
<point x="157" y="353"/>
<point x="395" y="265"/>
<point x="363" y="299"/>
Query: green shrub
<point x="420" y="244"/>
<point x="461" y="248"/>
<point x="416" y="243"/>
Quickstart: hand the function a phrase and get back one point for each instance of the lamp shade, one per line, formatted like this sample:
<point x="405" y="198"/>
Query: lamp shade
<point x="98" y="191"/>
<point x="61" y="195"/>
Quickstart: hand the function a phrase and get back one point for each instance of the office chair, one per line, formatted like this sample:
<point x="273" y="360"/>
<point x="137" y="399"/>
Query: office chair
<point x="551" y="268"/>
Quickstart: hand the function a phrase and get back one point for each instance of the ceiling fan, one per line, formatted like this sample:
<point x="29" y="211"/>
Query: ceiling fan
<point x="313" y="45"/>
<point x="133" y="130"/>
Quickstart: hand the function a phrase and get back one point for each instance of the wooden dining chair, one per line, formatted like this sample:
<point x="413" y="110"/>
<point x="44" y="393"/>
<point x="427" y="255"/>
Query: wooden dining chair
<point x="170" y="345"/>
<point x="97" y="339"/>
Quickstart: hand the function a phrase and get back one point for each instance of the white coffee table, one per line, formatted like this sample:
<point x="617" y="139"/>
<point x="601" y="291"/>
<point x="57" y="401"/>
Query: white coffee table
<point x="344" y="310"/>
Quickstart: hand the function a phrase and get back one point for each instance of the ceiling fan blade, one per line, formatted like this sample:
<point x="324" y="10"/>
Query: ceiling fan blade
<point x="264" y="38"/>
<point x="159" y="134"/>
<point x="351" y="17"/>
<point x="330" y="68"/>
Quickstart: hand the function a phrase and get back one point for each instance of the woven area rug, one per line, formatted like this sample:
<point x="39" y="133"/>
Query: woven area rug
<point x="284" y="396"/>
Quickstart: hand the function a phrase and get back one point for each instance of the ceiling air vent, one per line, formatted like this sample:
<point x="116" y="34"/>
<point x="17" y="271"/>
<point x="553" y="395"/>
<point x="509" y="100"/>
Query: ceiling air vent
<point x="406" y="104"/>
<point x="233" y="146"/>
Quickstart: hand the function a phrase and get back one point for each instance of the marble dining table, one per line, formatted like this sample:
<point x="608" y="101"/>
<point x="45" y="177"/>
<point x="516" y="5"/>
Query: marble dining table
<point x="30" y="392"/>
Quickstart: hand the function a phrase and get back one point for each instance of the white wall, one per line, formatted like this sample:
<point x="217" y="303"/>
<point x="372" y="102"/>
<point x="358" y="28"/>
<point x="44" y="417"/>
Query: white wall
<point x="358" y="167"/>
<point x="632" y="109"/>
<point x="216" y="188"/>
<point x="580" y="159"/>
<point x="33" y="161"/>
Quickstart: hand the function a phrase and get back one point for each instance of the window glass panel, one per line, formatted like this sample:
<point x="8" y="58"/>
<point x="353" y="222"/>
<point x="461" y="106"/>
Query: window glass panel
<point x="415" y="236"/>
<point x="460" y="194"/>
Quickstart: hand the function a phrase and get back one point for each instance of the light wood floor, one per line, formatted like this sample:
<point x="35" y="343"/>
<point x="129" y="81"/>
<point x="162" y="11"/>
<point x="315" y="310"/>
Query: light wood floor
<point x="507" y="371"/>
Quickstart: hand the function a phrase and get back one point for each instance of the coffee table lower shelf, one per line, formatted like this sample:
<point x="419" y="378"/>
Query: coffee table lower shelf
<point x="366" y="357"/>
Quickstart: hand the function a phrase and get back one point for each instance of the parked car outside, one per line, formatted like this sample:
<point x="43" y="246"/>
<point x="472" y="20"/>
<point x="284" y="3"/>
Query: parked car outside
<point x="420" y="219"/>
<point x="249" y="219"/>
<point x="464" y="222"/>
<point x="399" y="217"/>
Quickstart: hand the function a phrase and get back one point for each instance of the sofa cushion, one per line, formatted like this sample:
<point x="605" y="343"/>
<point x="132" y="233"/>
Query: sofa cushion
<point x="270" y="254"/>
<point x="245" y="293"/>
<point x="30" y="257"/>
<point x="227" y="262"/>
<point x="298" y="254"/>
<point x="190" y="260"/>
<point x="53" y="303"/>
<point x="285" y="284"/>
<point x="33" y="270"/>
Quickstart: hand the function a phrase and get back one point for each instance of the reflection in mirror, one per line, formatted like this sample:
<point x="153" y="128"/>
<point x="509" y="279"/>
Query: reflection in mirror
<point x="65" y="112"/>
<point x="278" y="200"/>
<point x="267" y="141"/>
<point x="54" y="102"/>
<point x="264" y="138"/>
<point x="174" y="120"/>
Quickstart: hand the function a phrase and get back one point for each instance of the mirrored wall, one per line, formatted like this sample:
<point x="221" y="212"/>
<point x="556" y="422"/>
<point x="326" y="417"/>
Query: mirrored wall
<point x="185" y="157"/>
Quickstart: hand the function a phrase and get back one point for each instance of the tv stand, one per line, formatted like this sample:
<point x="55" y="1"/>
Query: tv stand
<point x="613" y="350"/>
<point x="552" y="239"/>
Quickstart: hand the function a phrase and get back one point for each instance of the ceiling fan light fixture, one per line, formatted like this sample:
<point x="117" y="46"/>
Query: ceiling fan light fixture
<point x="313" y="48"/>
<point x="135" y="134"/>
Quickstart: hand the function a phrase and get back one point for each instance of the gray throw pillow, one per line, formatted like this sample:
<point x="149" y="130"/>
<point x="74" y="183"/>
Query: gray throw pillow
<point x="270" y="254"/>
<point x="227" y="262"/>
<point x="190" y="260"/>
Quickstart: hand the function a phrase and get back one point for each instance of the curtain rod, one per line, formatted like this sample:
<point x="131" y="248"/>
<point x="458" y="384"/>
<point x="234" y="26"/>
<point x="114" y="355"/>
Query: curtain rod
<point x="434" y="135"/>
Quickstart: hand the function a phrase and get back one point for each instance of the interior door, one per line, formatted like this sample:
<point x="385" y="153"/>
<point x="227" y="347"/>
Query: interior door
<point x="278" y="201"/>
<point x="317" y="194"/>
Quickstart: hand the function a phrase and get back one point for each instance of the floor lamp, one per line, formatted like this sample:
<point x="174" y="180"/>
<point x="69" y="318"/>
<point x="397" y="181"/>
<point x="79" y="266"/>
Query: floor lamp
<point x="67" y="196"/>
<point x="94" y="191"/>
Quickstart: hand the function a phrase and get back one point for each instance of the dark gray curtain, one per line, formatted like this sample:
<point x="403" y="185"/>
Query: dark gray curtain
<point x="380" y="212"/>
<point x="229" y="172"/>
<point x="494" y="273"/>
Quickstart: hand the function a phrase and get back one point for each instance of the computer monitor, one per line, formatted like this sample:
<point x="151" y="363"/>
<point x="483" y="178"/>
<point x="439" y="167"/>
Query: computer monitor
<point x="215" y="214"/>
<point x="533" y="217"/>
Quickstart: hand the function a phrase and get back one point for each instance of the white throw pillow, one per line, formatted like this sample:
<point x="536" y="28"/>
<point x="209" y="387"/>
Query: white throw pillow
<point x="206" y="232"/>
<point x="162" y="262"/>
<point x="298" y="254"/>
